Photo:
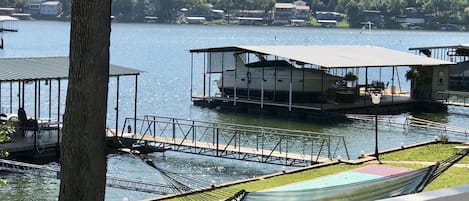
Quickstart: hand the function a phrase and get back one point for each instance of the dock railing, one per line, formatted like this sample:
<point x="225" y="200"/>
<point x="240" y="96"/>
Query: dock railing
<point x="235" y="141"/>
<point x="454" y="98"/>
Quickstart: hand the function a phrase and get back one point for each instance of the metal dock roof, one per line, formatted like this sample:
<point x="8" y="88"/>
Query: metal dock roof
<point x="41" y="68"/>
<point x="336" y="56"/>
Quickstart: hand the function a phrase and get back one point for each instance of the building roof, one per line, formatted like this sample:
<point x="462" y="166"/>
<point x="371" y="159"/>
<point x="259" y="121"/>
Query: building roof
<point x="7" y="18"/>
<point x="51" y="3"/>
<point x="337" y="56"/>
<point x="41" y="68"/>
<point x="284" y="5"/>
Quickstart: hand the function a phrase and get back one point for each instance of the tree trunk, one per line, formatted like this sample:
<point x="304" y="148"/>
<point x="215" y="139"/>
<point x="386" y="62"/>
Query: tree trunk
<point x="83" y="154"/>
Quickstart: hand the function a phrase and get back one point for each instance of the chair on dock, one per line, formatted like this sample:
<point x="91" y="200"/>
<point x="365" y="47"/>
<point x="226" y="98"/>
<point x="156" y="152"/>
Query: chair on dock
<point x="25" y="124"/>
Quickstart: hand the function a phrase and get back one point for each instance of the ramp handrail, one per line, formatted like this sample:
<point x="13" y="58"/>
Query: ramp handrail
<point x="225" y="138"/>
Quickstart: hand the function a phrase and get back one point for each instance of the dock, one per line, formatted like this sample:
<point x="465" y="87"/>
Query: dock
<point x="390" y="104"/>
<point x="233" y="141"/>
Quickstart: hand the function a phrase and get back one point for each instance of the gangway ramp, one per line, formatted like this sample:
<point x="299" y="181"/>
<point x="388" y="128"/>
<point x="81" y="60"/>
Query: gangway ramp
<point x="235" y="141"/>
<point x="114" y="182"/>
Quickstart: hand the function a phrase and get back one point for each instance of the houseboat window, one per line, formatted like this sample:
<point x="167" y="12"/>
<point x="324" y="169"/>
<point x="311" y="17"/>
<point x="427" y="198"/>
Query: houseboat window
<point x="441" y="76"/>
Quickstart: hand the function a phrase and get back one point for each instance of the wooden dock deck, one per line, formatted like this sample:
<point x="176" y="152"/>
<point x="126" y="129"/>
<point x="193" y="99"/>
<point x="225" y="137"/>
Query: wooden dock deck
<point x="45" y="139"/>
<point x="228" y="151"/>
<point x="360" y="103"/>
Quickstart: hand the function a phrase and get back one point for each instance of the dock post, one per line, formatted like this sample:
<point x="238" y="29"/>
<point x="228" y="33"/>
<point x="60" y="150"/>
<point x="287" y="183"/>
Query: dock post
<point x="135" y="104"/>
<point x="39" y="99"/>
<point x="11" y="96"/>
<point x="58" y="113"/>
<point x="50" y="99"/>
<point x="192" y="71"/>
<point x="1" y="108"/>
<point x="117" y="103"/>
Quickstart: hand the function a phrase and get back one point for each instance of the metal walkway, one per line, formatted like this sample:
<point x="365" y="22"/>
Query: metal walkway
<point x="411" y="121"/>
<point x="234" y="141"/>
<point x="114" y="182"/>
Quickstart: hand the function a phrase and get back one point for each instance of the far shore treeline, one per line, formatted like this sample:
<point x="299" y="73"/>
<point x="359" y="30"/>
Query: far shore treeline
<point x="435" y="12"/>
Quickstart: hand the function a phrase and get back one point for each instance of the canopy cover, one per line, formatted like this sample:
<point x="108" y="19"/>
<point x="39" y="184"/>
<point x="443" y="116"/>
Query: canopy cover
<point x="41" y="68"/>
<point x="337" y="56"/>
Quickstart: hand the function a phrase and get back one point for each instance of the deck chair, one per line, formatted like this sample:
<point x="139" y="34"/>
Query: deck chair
<point x="26" y="124"/>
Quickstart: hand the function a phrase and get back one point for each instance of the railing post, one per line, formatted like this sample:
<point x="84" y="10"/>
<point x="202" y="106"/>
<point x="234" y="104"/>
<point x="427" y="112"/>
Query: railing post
<point x="280" y="145"/>
<point x="257" y="141"/>
<point x="174" y="129"/>
<point x="286" y="152"/>
<point x="217" y="141"/>
<point x="154" y="126"/>
<point x="193" y="132"/>
<point x="329" y="147"/>
<point x="312" y="150"/>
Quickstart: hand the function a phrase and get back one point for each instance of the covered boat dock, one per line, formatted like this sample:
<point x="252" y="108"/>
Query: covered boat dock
<point x="226" y="85"/>
<point x="32" y="97"/>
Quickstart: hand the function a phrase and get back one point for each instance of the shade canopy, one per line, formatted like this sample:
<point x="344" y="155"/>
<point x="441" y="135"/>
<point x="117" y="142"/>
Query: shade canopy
<point x="42" y="68"/>
<point x="336" y="56"/>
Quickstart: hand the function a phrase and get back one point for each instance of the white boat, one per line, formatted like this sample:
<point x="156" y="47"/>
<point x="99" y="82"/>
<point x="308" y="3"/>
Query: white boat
<point x="276" y="78"/>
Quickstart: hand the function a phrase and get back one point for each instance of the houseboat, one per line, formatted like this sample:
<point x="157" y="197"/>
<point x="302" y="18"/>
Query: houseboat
<point x="275" y="79"/>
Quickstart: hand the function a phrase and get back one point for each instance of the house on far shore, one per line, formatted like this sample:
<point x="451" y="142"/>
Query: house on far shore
<point x="371" y="16"/>
<point x="284" y="13"/>
<point x="51" y="8"/>
<point x="411" y="19"/>
<point x="33" y="7"/>
<point x="327" y="19"/>
<point x="7" y="11"/>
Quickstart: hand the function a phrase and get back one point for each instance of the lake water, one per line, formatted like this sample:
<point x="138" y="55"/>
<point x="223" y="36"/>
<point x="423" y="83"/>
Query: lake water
<point x="164" y="89"/>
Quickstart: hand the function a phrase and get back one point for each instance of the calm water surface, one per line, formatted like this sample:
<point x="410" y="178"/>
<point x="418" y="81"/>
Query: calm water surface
<point x="164" y="89"/>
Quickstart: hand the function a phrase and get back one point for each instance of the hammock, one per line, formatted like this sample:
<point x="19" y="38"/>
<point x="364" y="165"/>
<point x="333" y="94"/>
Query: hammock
<point x="385" y="187"/>
<point x="390" y="186"/>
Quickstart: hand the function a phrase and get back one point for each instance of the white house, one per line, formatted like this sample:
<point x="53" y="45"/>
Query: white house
<point x="33" y="6"/>
<point x="283" y="13"/>
<point x="51" y="8"/>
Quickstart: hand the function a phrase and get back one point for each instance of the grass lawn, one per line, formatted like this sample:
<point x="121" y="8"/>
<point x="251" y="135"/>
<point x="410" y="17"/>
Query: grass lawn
<point x="429" y="153"/>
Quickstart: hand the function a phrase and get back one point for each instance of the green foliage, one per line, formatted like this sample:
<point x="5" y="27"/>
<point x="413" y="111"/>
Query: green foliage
<point x="412" y="74"/>
<point x="5" y="130"/>
<point x="433" y="152"/>
<point x="351" y="77"/>
<point x="353" y="11"/>
<point x="442" y="11"/>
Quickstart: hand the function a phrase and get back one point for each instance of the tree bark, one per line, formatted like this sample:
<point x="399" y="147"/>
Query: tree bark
<point x="83" y="154"/>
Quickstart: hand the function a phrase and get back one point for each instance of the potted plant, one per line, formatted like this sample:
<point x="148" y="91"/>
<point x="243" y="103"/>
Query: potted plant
<point x="351" y="79"/>
<point x="413" y="74"/>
